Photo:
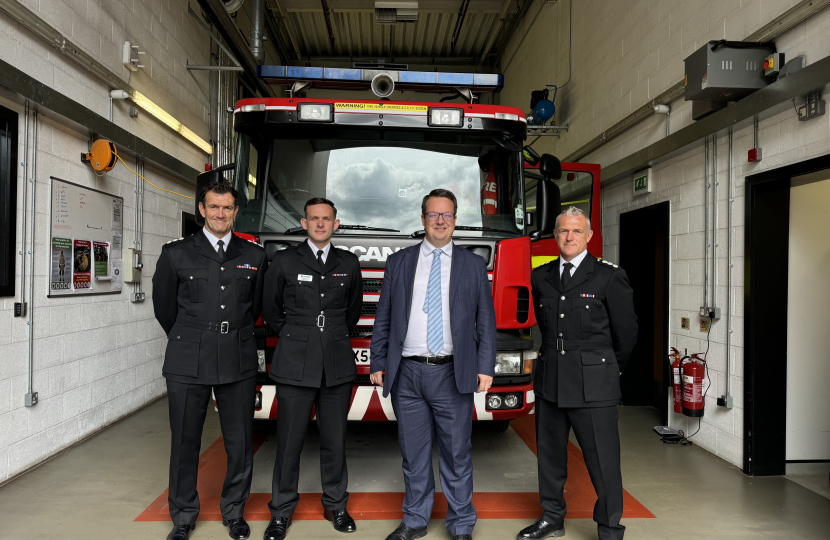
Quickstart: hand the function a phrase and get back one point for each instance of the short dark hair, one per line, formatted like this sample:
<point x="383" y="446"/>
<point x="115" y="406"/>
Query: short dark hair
<point x="219" y="187"/>
<point x="318" y="200"/>
<point x="445" y="193"/>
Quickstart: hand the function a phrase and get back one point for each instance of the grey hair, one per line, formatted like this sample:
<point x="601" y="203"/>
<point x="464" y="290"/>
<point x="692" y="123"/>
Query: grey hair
<point x="572" y="211"/>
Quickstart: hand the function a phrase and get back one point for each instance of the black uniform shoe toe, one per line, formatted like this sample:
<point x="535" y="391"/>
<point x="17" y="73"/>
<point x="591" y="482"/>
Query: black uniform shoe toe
<point x="541" y="529"/>
<point x="341" y="520"/>
<point x="277" y="528"/>
<point x="180" y="532"/>
<point x="462" y="537"/>
<point x="237" y="528"/>
<point x="404" y="532"/>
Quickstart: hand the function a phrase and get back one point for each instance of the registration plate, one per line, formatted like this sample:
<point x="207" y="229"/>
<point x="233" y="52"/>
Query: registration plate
<point x="361" y="356"/>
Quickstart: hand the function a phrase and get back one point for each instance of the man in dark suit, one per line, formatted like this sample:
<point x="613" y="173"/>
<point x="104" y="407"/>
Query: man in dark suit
<point x="207" y="293"/>
<point x="585" y="311"/>
<point x="435" y="336"/>
<point x="313" y="296"/>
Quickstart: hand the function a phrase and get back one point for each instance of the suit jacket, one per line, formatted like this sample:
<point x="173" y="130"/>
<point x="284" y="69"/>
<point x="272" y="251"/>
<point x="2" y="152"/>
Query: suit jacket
<point x="313" y="311"/>
<point x="194" y="292"/>
<point x="472" y="317"/>
<point x="588" y="328"/>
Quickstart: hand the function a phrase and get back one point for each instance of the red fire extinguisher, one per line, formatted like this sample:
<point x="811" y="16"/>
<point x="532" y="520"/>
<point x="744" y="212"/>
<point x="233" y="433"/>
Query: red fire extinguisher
<point x="693" y="371"/>
<point x="677" y="383"/>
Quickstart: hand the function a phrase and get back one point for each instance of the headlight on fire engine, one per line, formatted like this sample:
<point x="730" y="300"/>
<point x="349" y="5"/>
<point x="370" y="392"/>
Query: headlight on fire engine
<point x="257" y="107"/>
<point x="506" y="116"/>
<point x="315" y="112"/>
<point x="446" y="117"/>
<point x="260" y="359"/>
<point x="509" y="363"/>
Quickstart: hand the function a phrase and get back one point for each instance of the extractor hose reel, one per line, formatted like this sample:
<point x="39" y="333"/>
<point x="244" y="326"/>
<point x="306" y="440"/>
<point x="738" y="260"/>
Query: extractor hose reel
<point x="382" y="85"/>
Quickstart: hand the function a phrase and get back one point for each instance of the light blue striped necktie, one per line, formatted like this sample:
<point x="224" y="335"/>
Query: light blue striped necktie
<point x="432" y="306"/>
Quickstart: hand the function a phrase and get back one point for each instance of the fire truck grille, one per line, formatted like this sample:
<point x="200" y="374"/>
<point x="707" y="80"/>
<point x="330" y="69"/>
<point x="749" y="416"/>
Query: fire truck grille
<point x="360" y="332"/>
<point x="372" y="285"/>
<point x="369" y="309"/>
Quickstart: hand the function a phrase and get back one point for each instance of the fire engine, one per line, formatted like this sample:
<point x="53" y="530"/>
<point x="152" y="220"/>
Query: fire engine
<point x="376" y="159"/>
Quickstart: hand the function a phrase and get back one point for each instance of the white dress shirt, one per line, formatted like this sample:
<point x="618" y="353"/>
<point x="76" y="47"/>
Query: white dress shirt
<point x="416" y="335"/>
<point x="315" y="249"/>
<point x="214" y="240"/>
<point x="575" y="261"/>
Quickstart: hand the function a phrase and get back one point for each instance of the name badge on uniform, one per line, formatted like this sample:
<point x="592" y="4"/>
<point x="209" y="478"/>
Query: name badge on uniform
<point x="303" y="277"/>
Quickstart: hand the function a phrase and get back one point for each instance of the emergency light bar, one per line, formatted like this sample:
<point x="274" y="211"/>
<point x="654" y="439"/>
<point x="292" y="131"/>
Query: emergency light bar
<point x="347" y="78"/>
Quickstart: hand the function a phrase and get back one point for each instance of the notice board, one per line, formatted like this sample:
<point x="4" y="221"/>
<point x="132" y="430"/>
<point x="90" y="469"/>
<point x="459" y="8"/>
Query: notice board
<point x="85" y="240"/>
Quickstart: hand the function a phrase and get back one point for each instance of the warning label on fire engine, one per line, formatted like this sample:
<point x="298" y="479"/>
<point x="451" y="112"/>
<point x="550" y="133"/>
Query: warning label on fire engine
<point x="380" y="107"/>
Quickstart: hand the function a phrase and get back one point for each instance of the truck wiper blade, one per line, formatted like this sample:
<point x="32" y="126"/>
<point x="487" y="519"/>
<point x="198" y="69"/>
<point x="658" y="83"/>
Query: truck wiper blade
<point x="365" y="228"/>
<point x="485" y="229"/>
<point x="295" y="230"/>
<point x="421" y="232"/>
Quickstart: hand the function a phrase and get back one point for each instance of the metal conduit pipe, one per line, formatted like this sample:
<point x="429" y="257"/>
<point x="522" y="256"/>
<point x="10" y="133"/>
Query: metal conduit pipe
<point x="706" y="221"/>
<point x="25" y="197"/>
<point x="729" y="265"/>
<point x="257" y="24"/>
<point x="715" y="184"/>
<point x="31" y="396"/>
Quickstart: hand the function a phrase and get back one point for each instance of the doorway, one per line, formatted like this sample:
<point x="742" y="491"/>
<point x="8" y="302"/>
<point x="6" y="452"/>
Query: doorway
<point x="644" y="254"/>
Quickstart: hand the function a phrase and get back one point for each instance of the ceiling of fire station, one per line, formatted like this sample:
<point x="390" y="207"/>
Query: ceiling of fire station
<point x="459" y="32"/>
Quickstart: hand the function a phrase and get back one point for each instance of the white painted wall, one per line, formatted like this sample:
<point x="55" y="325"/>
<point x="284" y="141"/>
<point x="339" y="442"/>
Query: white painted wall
<point x="98" y="358"/>
<point x="808" y="321"/>
<point x="624" y="54"/>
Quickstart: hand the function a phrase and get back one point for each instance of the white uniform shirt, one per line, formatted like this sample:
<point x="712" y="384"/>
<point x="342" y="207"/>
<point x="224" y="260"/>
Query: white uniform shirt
<point x="315" y="249"/>
<point x="213" y="240"/>
<point x="416" y="336"/>
<point x="575" y="261"/>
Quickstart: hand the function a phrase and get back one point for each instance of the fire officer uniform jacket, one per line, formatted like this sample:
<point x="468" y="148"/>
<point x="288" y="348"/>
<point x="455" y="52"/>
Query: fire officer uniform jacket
<point x="588" y="328"/>
<point x="208" y="306"/>
<point x="312" y="311"/>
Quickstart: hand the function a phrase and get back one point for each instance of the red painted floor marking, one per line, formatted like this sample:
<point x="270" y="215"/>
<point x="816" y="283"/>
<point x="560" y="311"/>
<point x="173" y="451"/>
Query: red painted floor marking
<point x="579" y="493"/>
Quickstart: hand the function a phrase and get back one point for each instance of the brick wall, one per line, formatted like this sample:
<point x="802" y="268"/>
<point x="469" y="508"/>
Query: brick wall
<point x="97" y="358"/>
<point x="624" y="54"/>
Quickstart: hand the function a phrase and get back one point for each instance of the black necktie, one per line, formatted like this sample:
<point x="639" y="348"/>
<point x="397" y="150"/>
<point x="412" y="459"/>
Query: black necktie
<point x="320" y="258"/>
<point x="221" y="250"/>
<point x="566" y="274"/>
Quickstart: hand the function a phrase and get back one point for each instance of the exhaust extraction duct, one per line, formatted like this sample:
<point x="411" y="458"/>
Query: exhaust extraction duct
<point x="257" y="25"/>
<point x="382" y="85"/>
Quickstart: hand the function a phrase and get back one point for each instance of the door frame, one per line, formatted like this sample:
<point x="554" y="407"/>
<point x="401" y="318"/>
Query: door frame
<point x="765" y="345"/>
<point x="667" y="376"/>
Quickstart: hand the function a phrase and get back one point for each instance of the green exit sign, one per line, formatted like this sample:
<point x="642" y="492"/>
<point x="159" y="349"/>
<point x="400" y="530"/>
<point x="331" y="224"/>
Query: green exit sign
<point x="642" y="182"/>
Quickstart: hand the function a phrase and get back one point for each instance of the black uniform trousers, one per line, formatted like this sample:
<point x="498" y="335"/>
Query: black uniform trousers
<point x="598" y="435"/>
<point x="188" y="405"/>
<point x="294" y="406"/>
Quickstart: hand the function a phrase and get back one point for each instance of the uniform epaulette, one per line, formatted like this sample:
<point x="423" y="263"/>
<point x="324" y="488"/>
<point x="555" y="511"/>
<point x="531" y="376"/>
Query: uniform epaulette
<point x="254" y="243"/>
<point x="176" y="240"/>
<point x="603" y="261"/>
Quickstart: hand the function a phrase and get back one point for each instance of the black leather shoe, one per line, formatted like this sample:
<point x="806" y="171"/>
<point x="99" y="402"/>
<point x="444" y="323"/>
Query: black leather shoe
<point x="237" y="528"/>
<point x="404" y="532"/>
<point x="462" y="537"/>
<point x="341" y="520"/>
<point x="180" y="532"/>
<point x="277" y="528"/>
<point x="541" y="529"/>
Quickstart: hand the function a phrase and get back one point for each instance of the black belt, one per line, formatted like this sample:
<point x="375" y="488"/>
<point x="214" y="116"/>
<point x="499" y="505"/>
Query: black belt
<point x="431" y="360"/>
<point x="320" y="321"/>
<point x="222" y="327"/>
<point x="563" y="345"/>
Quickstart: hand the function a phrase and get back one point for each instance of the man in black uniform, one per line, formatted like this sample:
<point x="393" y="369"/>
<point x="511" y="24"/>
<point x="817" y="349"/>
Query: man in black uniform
<point x="313" y="296"/>
<point x="207" y="293"/>
<point x="585" y="311"/>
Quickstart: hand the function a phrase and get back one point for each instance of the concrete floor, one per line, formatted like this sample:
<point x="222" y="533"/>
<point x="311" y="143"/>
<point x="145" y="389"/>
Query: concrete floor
<point x="98" y="488"/>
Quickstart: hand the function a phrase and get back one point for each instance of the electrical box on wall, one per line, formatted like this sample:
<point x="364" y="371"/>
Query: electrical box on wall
<point x="132" y="266"/>
<point x="726" y="71"/>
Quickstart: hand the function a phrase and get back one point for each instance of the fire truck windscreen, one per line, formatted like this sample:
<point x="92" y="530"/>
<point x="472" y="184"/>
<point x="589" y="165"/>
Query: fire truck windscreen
<point x="378" y="183"/>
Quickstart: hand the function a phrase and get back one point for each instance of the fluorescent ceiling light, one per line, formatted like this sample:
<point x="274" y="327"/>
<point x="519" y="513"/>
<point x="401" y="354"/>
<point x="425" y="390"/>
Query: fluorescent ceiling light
<point x="142" y="101"/>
